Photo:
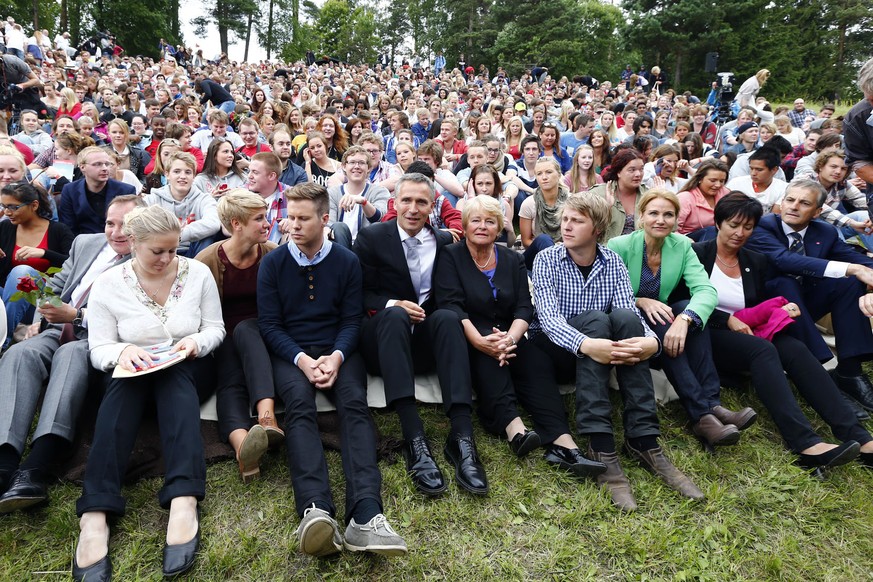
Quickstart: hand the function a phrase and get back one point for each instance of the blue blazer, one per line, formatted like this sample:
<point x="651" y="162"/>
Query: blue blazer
<point x="821" y="242"/>
<point x="76" y="212"/>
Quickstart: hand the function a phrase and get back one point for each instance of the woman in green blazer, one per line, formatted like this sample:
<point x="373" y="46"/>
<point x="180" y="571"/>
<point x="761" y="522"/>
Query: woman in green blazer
<point x="658" y="261"/>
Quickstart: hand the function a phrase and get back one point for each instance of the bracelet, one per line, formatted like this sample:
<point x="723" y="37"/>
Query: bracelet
<point x="512" y="338"/>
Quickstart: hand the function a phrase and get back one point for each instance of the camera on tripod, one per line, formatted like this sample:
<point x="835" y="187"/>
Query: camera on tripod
<point x="725" y="98"/>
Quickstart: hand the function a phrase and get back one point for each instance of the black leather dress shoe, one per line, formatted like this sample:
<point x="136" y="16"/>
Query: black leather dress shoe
<point x="27" y="487"/>
<point x="179" y="558"/>
<point x="461" y="452"/>
<point x="523" y="443"/>
<point x="859" y="412"/>
<point x="573" y="460"/>
<point x="98" y="572"/>
<point x="866" y="459"/>
<point x="858" y="388"/>
<point x="5" y="478"/>
<point x="422" y="468"/>
<point x="840" y="455"/>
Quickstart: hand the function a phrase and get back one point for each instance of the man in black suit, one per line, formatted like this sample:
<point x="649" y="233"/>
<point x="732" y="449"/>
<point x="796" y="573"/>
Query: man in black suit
<point x="821" y="274"/>
<point x="406" y="333"/>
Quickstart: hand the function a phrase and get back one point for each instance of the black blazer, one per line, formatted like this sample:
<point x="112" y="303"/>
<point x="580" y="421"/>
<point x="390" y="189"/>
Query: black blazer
<point x="383" y="261"/>
<point x="60" y="239"/>
<point x="462" y="288"/>
<point x="753" y="270"/>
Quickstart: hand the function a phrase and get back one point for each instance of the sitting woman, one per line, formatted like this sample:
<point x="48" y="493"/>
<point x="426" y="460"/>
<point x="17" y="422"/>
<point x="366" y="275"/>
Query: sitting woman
<point x="740" y="328"/>
<point x="30" y="242"/>
<point x="582" y="175"/>
<point x="657" y="260"/>
<point x="539" y="218"/>
<point x="245" y="379"/>
<point x="622" y="190"/>
<point x="195" y="209"/>
<point x="157" y="178"/>
<point x="220" y="170"/>
<point x="485" y="181"/>
<point x="151" y="307"/>
<point x="133" y="158"/>
<point x="664" y="163"/>
<point x="700" y="194"/>
<point x="487" y="286"/>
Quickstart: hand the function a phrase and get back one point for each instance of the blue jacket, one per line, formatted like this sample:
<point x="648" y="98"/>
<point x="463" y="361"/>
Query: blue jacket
<point x="76" y="212"/>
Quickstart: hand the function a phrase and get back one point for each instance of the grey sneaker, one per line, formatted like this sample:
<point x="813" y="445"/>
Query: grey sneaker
<point x="375" y="536"/>
<point x="319" y="533"/>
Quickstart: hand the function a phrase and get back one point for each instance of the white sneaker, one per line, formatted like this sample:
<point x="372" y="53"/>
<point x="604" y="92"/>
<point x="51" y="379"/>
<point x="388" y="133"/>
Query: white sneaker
<point x="375" y="536"/>
<point x="319" y="533"/>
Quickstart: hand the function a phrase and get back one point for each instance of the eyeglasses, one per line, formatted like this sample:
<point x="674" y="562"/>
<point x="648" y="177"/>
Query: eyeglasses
<point x="13" y="207"/>
<point x="493" y="150"/>
<point x="356" y="163"/>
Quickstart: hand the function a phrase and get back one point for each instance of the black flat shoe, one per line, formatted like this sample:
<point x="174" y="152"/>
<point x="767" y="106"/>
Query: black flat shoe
<point x="523" y="443"/>
<point x="573" y="461"/>
<point x="866" y="459"/>
<point x="422" y="468"/>
<point x="845" y="453"/>
<point x="27" y="488"/>
<point x="179" y="558"/>
<point x="461" y="452"/>
<point x="100" y="571"/>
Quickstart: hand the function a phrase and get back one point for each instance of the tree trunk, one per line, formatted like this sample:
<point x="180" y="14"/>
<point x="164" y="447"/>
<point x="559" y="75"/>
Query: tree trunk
<point x="677" y="75"/>
<point x="295" y="20"/>
<point x="248" y="38"/>
<point x="35" y="4"/>
<point x="270" y="32"/>
<point x="63" y="23"/>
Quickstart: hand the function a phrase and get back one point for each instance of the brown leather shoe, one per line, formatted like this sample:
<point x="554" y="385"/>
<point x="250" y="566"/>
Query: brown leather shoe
<point x="614" y="480"/>
<point x="742" y="419"/>
<point x="657" y="463"/>
<point x="251" y="450"/>
<point x="274" y="434"/>
<point x="713" y="432"/>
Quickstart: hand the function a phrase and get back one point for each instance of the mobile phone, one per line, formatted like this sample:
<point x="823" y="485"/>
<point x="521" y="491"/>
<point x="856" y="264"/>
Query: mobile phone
<point x="659" y="165"/>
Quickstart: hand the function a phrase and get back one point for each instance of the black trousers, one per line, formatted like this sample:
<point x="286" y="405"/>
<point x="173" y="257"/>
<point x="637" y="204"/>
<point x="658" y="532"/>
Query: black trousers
<point x="306" y="460"/>
<point x="529" y="379"/>
<point x="692" y="373"/>
<point x="593" y="407"/>
<point x="395" y="351"/>
<point x="245" y="376"/>
<point x="175" y="394"/>
<point x="765" y="361"/>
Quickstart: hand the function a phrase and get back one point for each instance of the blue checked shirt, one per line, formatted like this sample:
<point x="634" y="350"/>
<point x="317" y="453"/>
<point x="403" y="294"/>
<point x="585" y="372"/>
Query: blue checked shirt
<point x="561" y="293"/>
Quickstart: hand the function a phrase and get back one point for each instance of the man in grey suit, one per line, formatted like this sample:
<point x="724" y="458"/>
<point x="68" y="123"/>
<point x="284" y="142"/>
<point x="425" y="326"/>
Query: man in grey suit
<point x="59" y="355"/>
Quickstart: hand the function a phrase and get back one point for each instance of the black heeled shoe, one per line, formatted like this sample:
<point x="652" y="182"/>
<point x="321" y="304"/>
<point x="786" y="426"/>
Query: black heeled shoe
<point x="524" y="442"/>
<point x="100" y="571"/>
<point x="845" y="453"/>
<point x="179" y="558"/>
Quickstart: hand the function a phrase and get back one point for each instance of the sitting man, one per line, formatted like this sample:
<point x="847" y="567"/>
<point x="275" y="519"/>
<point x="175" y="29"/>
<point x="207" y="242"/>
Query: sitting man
<point x="309" y="313"/>
<point x="58" y="355"/>
<point x="84" y="202"/>
<point x="821" y="274"/>
<point x="407" y="334"/>
<point x="761" y="183"/>
<point x="587" y="322"/>
<point x="357" y="203"/>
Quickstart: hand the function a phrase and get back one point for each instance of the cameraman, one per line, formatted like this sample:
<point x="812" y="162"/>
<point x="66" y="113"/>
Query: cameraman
<point x="18" y="85"/>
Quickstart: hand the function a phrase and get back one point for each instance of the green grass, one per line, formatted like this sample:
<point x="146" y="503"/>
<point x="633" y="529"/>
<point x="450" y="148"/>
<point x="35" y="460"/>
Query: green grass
<point x="763" y="519"/>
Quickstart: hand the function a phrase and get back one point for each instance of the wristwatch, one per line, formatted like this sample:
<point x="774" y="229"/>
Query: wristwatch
<point x="687" y="318"/>
<point x="80" y="316"/>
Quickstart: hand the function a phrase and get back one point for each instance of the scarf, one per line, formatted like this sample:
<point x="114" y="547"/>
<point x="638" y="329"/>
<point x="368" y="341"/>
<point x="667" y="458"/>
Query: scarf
<point x="547" y="217"/>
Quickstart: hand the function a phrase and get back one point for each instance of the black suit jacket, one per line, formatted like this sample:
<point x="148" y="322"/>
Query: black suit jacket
<point x="383" y="260"/>
<point x="462" y="288"/>
<point x="753" y="269"/>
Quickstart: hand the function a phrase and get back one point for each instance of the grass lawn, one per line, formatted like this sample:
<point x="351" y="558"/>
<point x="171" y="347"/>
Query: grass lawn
<point x="763" y="519"/>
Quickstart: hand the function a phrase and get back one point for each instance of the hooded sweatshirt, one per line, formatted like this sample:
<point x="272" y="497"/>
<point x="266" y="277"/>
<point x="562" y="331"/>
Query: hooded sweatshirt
<point x="197" y="212"/>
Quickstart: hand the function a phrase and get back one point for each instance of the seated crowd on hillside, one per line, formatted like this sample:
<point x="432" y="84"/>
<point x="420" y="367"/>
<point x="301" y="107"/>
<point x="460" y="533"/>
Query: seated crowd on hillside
<point x="267" y="233"/>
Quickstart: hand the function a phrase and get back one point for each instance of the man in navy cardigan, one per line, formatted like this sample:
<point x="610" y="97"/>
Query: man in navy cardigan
<point x="822" y="274"/>
<point x="84" y="202"/>
<point x="309" y="312"/>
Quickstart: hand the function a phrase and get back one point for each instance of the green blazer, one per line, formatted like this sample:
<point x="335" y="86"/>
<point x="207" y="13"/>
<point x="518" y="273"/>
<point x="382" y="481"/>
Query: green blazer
<point x="678" y="262"/>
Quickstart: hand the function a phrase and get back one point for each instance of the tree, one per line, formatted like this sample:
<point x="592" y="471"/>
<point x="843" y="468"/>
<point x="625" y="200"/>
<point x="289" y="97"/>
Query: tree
<point x="136" y="24"/>
<point x="229" y="16"/>
<point x="344" y="31"/>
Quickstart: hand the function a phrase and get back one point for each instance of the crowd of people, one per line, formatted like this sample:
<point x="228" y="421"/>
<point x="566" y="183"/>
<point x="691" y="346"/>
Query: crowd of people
<point x="265" y="233"/>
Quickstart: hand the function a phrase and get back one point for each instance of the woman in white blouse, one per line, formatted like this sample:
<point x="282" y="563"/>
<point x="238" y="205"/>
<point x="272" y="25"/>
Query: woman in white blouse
<point x="156" y="305"/>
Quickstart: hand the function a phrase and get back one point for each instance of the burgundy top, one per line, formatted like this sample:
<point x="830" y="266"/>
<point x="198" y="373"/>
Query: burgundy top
<point x="240" y="300"/>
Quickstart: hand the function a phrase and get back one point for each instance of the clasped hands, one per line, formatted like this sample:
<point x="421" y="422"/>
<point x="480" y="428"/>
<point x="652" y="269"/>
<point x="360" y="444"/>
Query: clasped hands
<point x="321" y="372"/>
<point x="499" y="345"/>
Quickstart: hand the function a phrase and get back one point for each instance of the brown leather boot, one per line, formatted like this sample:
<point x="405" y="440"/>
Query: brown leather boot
<point x="742" y="419"/>
<point x="711" y="430"/>
<point x="657" y="463"/>
<point x="614" y="480"/>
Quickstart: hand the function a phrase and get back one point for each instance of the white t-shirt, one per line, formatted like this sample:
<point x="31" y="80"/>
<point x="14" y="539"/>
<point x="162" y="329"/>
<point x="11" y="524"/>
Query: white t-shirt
<point x="772" y="195"/>
<point x="730" y="291"/>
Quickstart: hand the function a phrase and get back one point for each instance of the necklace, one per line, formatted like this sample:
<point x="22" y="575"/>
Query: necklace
<point x="729" y="266"/>
<point x="488" y="260"/>
<point x="154" y="293"/>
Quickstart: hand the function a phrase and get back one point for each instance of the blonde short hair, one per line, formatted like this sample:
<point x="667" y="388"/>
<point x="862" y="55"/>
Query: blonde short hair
<point x="486" y="205"/>
<point x="144" y="223"/>
<point x="239" y="204"/>
<point x="654" y="194"/>
<point x="594" y="207"/>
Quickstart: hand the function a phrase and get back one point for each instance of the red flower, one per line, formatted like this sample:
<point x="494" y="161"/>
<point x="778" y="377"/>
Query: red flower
<point x="26" y="285"/>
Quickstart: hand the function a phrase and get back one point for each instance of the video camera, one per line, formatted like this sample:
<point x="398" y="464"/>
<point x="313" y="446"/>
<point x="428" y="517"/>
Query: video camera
<point x="723" y="111"/>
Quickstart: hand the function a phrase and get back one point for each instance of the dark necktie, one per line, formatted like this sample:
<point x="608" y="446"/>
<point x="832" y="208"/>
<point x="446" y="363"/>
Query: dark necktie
<point x="796" y="244"/>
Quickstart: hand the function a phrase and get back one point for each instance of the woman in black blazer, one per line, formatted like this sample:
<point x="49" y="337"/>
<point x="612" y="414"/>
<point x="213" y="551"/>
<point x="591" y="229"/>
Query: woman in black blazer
<point x="487" y="286"/>
<point x="739" y="275"/>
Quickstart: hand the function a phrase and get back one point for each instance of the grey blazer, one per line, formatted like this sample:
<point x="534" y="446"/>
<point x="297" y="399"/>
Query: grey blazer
<point x="85" y="249"/>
